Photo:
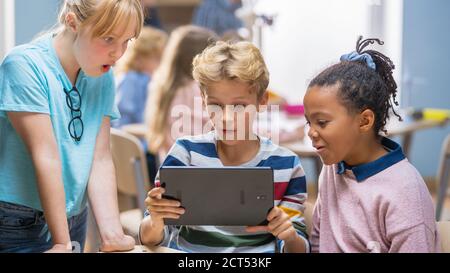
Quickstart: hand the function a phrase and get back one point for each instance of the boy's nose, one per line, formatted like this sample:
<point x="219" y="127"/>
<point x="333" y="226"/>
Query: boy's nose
<point x="228" y="124"/>
<point x="228" y="118"/>
<point x="228" y="113"/>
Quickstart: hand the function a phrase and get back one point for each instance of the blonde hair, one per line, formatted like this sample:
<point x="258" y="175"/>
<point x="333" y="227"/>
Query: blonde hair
<point x="103" y="16"/>
<point x="231" y="61"/>
<point x="174" y="71"/>
<point x="149" y="44"/>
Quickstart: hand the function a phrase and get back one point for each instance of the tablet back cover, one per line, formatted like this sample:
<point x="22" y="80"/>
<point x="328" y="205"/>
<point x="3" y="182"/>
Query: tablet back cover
<point x="220" y="196"/>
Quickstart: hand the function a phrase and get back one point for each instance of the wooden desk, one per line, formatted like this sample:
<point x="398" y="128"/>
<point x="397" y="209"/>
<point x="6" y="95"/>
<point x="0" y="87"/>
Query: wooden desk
<point x="404" y="129"/>
<point x="156" y="249"/>
<point x="407" y="128"/>
<point x="304" y="149"/>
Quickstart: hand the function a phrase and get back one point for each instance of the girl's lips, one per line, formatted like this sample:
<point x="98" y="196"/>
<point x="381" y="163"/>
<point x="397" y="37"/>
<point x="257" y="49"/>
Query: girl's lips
<point x="106" y="68"/>
<point x="319" y="149"/>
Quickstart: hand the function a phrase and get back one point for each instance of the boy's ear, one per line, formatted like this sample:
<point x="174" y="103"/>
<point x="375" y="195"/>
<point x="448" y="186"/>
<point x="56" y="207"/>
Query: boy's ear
<point x="263" y="102"/>
<point x="202" y="93"/>
<point x="366" y="120"/>
<point x="72" y="22"/>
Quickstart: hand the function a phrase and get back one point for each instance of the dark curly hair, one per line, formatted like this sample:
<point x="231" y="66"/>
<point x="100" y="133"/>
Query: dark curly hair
<point x="361" y="87"/>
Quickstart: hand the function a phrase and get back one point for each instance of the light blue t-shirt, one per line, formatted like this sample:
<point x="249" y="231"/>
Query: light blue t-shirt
<point x="33" y="80"/>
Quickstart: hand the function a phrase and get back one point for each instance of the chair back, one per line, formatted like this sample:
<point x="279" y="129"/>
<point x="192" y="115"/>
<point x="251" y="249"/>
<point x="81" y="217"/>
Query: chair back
<point x="131" y="166"/>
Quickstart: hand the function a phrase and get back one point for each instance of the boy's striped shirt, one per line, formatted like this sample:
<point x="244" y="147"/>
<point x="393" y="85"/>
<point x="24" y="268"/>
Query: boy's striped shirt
<point x="289" y="195"/>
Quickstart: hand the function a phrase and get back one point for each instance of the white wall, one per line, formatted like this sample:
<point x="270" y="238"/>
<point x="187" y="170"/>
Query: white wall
<point x="391" y="33"/>
<point x="7" y="26"/>
<point x="34" y="17"/>
<point x="310" y="35"/>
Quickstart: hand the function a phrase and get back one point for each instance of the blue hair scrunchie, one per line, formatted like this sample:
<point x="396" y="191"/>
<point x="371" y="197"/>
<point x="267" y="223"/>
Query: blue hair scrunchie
<point x="355" y="57"/>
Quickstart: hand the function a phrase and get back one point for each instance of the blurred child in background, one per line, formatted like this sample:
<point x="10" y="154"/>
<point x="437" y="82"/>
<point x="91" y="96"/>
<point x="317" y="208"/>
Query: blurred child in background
<point x="135" y="72"/>
<point x="173" y="85"/>
<point x="218" y="15"/>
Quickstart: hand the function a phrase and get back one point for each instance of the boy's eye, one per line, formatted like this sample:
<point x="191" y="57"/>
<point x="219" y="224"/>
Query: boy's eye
<point x="239" y="107"/>
<point x="214" y="108"/>
<point x="214" y="105"/>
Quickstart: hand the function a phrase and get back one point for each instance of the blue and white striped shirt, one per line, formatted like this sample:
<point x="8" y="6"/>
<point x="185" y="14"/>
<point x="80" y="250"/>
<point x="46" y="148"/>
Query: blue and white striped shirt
<point x="289" y="194"/>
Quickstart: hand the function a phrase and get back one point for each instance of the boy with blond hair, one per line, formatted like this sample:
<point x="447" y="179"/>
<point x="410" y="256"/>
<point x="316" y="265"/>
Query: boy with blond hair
<point x="233" y="79"/>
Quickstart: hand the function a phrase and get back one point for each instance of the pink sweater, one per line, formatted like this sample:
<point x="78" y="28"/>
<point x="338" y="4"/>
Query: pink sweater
<point x="389" y="211"/>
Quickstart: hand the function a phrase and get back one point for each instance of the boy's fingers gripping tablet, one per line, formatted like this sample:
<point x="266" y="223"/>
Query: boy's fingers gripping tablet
<point x="274" y="212"/>
<point x="166" y="203"/>
<point x="257" y="229"/>
<point x="169" y="215"/>
<point x="156" y="192"/>
<point x="166" y="209"/>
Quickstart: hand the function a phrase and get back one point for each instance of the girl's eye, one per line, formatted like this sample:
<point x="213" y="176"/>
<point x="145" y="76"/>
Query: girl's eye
<point x="108" y="40"/>
<point x="322" y="123"/>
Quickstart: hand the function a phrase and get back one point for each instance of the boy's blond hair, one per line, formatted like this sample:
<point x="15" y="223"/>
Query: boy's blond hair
<point x="103" y="16"/>
<point x="232" y="61"/>
<point x="150" y="44"/>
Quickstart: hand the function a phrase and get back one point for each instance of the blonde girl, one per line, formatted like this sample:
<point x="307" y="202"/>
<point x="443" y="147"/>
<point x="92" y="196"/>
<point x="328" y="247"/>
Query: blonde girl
<point x="56" y="103"/>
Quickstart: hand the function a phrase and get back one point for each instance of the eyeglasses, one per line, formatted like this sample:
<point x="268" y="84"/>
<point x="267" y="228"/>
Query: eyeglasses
<point x="76" y="126"/>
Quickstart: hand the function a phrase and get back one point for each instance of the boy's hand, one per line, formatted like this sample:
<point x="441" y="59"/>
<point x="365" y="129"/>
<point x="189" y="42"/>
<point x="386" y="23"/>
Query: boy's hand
<point x="279" y="225"/>
<point x="161" y="208"/>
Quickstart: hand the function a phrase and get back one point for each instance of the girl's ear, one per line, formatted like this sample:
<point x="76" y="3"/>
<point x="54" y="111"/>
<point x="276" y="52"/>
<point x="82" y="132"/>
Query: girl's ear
<point x="367" y="120"/>
<point x="72" y="22"/>
<point x="263" y="102"/>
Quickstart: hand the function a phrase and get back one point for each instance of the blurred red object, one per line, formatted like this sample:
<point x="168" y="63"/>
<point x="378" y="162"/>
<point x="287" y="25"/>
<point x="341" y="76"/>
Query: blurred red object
<point x="294" y="109"/>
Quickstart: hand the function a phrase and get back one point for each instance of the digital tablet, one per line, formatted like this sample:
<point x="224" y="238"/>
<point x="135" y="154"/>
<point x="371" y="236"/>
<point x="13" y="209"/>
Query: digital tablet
<point x="228" y="196"/>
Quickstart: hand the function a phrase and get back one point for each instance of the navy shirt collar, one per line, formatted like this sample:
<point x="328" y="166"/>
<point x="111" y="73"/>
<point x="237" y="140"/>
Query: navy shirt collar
<point x="364" y="171"/>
